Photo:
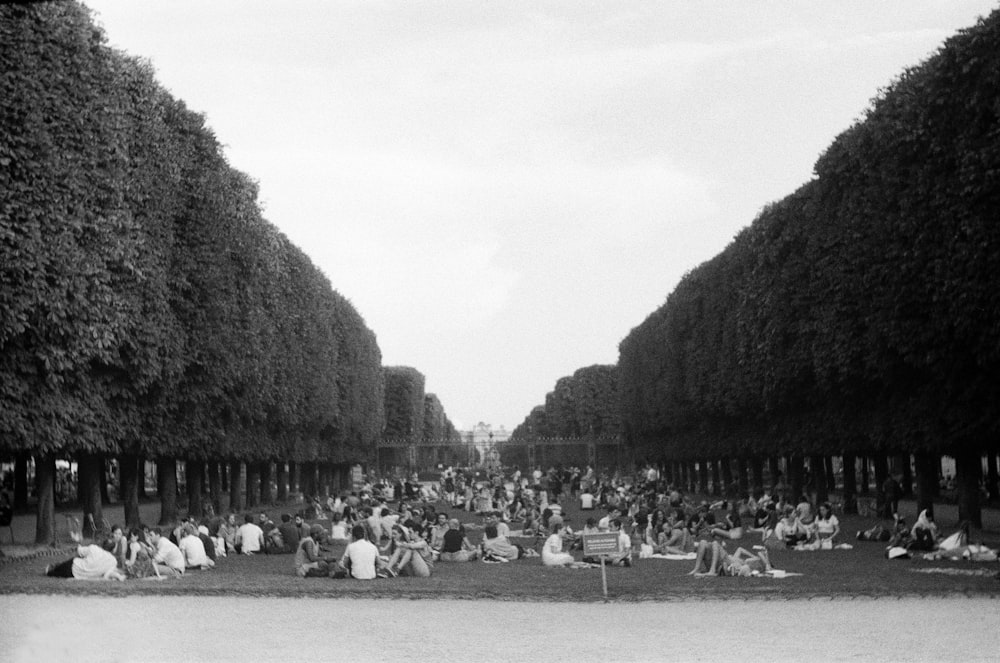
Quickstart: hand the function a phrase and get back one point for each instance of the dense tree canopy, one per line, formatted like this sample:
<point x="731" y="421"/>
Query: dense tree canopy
<point x="146" y="306"/>
<point x="860" y="312"/>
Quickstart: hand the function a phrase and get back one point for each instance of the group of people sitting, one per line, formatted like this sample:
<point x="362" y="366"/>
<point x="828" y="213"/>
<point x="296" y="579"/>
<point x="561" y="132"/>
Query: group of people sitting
<point x="143" y="553"/>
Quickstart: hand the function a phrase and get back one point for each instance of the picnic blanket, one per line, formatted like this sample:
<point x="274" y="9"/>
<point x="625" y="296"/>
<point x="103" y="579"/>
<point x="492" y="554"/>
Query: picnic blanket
<point x="676" y="558"/>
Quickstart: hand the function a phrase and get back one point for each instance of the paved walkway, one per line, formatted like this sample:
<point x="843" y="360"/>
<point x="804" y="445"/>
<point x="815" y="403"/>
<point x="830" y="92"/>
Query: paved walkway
<point x="220" y="629"/>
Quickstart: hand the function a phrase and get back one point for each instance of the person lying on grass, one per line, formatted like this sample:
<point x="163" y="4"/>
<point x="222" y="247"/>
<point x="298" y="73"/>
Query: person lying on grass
<point x="741" y="563"/>
<point x="91" y="562"/>
<point x="496" y="546"/>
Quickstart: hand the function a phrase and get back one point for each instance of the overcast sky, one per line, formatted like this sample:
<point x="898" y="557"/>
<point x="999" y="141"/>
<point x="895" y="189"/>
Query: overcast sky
<point x="505" y="189"/>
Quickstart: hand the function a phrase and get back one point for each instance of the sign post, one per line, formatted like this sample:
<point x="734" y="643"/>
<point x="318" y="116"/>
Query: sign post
<point x="602" y="545"/>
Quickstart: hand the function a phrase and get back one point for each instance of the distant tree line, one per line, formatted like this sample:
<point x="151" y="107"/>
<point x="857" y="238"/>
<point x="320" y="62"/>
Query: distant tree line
<point x="412" y="417"/>
<point x="147" y="309"/>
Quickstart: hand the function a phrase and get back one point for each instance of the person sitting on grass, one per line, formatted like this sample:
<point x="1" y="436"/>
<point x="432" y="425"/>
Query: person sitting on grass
<point x="731" y="527"/>
<point x="139" y="563"/>
<point x="437" y="532"/>
<point x="456" y="546"/>
<point x="308" y="561"/>
<point x="338" y="528"/>
<point x="827" y="525"/>
<point x="789" y="531"/>
<point x="193" y="549"/>
<point x="675" y="538"/>
<point x="249" y="537"/>
<point x="91" y="562"/>
<point x="227" y="532"/>
<point x="168" y="557"/>
<point x="408" y="555"/>
<point x="552" y="550"/>
<point x="361" y="556"/>
<point x="924" y="534"/>
<point x="290" y="533"/>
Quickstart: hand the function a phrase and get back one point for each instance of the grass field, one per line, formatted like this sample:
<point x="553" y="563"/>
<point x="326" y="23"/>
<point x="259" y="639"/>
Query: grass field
<point x="861" y="572"/>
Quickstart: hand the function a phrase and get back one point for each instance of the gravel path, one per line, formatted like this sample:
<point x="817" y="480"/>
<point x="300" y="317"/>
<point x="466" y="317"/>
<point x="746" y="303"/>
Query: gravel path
<point x="219" y="629"/>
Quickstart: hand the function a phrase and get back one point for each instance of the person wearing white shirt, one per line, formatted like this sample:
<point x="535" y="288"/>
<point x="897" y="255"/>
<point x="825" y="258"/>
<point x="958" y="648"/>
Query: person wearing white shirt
<point x="193" y="549"/>
<point x="249" y="537"/>
<point x="167" y="556"/>
<point x="361" y="556"/>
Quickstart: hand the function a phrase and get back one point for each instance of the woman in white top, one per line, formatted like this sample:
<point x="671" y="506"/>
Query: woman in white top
<point x="827" y="525"/>
<point x="552" y="551"/>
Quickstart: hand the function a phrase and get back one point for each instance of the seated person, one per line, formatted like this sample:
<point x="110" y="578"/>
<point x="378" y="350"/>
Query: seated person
<point x="552" y="550"/>
<point x="827" y="525"/>
<point x="789" y="530"/>
<point x="308" y="561"/>
<point x="167" y="556"/>
<point x="290" y="535"/>
<point x="361" y="558"/>
<point x="408" y="555"/>
<point x="249" y="537"/>
<point x="586" y="500"/>
<point x="193" y="549"/>
<point x="924" y="535"/>
<point x="456" y="546"/>
<point x="338" y="528"/>
<point x="731" y="527"/>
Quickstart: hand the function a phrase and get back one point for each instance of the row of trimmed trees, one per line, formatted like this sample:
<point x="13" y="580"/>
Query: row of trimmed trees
<point x="413" y="417"/>
<point x="857" y="317"/>
<point x="147" y="309"/>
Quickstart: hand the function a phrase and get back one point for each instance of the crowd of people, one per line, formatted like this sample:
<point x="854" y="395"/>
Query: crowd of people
<point x="402" y="527"/>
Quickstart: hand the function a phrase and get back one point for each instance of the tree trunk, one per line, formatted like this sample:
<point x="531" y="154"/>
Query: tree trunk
<point x="266" y="496"/>
<point x="307" y="480"/>
<point x="741" y="475"/>
<point x="129" y="473"/>
<point x="968" y="470"/>
<point x="21" y="482"/>
<point x="881" y="465"/>
<point x="45" y="489"/>
<point x="141" y="484"/>
<point x="906" y="482"/>
<point x="282" y="473"/>
<point x="89" y="491"/>
<point x="102" y="483"/>
<point x="293" y="477"/>
<point x="166" y="486"/>
<point x="927" y="479"/>
<point x="215" y="486"/>
<point x="796" y="471"/>
<point x="992" y="476"/>
<point x="831" y="478"/>
<point x="236" y="486"/>
<point x="866" y="480"/>
<point x="716" y="481"/>
<point x="850" y="495"/>
<point x="817" y="467"/>
<point x="727" y="477"/>
<point x="757" y="475"/>
<point x="194" y="471"/>
<point x="253" y="484"/>
<point x="774" y="472"/>
<point x="703" y="476"/>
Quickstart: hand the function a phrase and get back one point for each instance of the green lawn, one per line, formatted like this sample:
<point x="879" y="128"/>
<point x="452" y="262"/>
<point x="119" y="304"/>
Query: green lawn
<point x="861" y="572"/>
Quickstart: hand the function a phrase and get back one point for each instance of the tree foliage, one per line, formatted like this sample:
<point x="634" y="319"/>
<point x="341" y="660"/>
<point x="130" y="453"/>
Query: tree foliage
<point x="860" y="312"/>
<point x="146" y="306"/>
